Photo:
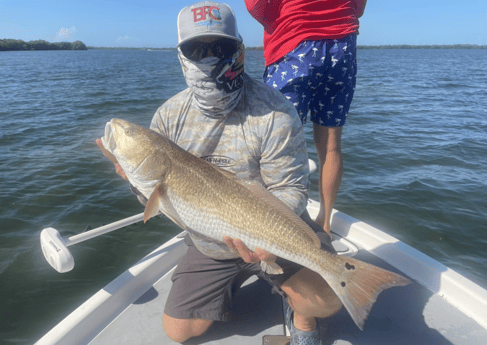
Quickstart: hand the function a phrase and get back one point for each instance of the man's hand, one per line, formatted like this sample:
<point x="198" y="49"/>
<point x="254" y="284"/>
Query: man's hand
<point x="118" y="168"/>
<point x="246" y="254"/>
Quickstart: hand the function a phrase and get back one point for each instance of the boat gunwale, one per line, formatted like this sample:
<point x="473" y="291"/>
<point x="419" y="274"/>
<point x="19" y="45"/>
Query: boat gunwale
<point x="89" y="319"/>
<point x="460" y="292"/>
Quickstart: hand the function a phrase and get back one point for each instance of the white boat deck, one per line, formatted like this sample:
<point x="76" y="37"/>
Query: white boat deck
<point x="406" y="315"/>
<point x="440" y="307"/>
<point x="256" y="313"/>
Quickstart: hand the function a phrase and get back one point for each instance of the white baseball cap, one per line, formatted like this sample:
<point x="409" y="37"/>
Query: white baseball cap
<point x="207" y="18"/>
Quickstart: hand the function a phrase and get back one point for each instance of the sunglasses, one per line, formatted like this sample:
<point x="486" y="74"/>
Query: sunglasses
<point x="223" y="49"/>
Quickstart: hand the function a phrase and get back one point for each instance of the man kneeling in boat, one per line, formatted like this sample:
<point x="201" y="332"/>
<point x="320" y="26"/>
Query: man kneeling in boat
<point x="250" y="129"/>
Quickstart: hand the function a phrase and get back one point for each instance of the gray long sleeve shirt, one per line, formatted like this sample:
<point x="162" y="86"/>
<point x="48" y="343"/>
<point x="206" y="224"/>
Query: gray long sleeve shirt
<point x="261" y="139"/>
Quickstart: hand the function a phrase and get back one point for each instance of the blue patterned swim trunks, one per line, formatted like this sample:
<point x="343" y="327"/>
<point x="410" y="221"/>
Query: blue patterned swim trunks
<point x="319" y="77"/>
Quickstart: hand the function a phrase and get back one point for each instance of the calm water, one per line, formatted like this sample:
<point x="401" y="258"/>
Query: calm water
<point x="414" y="147"/>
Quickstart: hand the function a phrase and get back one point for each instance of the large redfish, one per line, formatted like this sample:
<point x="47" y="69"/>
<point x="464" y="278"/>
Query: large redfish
<point x="207" y="200"/>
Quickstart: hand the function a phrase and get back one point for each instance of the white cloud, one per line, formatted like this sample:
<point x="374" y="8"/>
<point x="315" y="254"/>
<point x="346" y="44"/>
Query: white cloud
<point x="66" y="34"/>
<point x="123" y="39"/>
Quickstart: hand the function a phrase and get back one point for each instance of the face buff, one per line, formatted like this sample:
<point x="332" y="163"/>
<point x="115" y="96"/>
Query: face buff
<point x="216" y="83"/>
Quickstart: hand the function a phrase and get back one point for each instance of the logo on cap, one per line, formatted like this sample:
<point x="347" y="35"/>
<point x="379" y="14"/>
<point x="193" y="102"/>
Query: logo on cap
<point x="201" y="14"/>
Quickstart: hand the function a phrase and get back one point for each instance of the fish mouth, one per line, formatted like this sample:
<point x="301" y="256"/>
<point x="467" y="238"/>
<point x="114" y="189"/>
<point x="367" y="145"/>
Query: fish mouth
<point x="108" y="144"/>
<point x="111" y="148"/>
<point x="109" y="140"/>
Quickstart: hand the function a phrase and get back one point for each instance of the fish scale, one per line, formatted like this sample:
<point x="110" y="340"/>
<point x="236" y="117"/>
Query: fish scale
<point x="245" y="228"/>
<point x="213" y="226"/>
<point x="213" y="203"/>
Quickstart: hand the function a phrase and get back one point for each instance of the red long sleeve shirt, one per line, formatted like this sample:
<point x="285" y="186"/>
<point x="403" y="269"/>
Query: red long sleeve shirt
<point x="289" y="22"/>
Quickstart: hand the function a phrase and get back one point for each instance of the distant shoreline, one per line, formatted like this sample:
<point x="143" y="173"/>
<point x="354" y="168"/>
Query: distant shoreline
<point x="397" y="46"/>
<point x="16" y="45"/>
<point x="19" y="45"/>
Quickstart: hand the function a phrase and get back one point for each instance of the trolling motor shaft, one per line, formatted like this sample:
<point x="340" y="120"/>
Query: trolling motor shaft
<point x="55" y="248"/>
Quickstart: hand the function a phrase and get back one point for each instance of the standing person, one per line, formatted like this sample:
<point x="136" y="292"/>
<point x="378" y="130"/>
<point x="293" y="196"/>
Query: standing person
<point x="310" y="56"/>
<point x="247" y="128"/>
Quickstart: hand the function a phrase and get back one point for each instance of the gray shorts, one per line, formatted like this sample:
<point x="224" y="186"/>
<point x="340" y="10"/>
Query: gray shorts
<point x="203" y="288"/>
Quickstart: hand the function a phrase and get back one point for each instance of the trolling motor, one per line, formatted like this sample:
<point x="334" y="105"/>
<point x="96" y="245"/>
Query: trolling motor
<point x="55" y="248"/>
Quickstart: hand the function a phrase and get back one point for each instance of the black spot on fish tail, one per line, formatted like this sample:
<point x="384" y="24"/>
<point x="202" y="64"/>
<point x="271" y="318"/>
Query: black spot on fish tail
<point x="359" y="285"/>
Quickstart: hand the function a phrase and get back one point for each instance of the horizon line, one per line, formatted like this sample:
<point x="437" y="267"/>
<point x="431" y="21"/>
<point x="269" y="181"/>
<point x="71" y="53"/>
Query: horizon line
<point x="457" y="45"/>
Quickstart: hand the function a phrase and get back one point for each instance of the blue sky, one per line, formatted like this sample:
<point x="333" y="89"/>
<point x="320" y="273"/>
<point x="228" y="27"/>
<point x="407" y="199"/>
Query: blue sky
<point x="152" y="23"/>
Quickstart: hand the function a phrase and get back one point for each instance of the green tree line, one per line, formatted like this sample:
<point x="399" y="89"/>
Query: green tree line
<point x="10" y="44"/>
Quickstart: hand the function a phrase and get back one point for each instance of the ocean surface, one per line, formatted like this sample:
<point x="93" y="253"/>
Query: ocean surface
<point x="415" y="150"/>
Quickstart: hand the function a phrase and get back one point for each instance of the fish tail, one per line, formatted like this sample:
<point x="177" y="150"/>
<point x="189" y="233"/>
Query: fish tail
<point x="358" y="285"/>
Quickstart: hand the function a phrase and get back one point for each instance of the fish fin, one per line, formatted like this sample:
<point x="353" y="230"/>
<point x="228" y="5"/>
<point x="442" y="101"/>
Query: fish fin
<point x="256" y="188"/>
<point x="158" y="199"/>
<point x="152" y="206"/>
<point x="360" y="284"/>
<point x="271" y="267"/>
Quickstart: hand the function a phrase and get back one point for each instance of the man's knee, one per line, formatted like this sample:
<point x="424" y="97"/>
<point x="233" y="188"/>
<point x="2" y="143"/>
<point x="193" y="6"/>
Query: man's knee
<point x="180" y="330"/>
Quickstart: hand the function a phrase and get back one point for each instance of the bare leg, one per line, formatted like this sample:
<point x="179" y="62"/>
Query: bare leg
<point x="310" y="296"/>
<point x="328" y="145"/>
<point x="180" y="330"/>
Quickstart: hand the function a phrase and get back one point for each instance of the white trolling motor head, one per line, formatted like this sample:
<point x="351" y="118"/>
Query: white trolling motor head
<point x="55" y="251"/>
<point x="55" y="248"/>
